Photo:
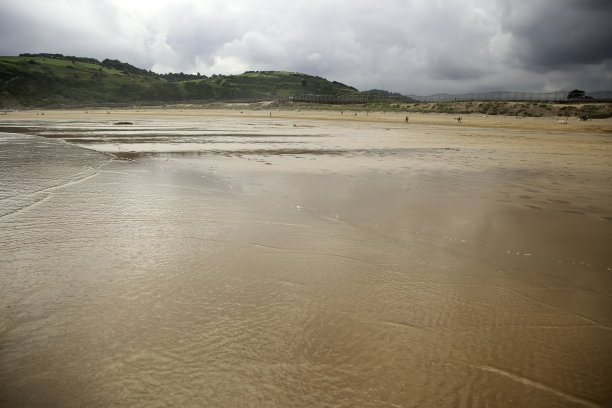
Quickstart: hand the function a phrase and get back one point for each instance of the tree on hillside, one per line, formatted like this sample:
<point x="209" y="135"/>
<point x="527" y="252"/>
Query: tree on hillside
<point x="575" y="94"/>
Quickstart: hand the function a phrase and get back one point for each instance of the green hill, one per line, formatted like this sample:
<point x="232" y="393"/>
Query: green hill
<point x="54" y="80"/>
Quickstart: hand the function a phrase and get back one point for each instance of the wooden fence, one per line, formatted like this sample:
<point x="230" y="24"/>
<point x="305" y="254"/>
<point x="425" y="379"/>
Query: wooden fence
<point x="560" y="96"/>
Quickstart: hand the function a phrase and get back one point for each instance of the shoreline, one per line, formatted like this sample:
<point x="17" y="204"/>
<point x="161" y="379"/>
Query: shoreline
<point x="571" y="124"/>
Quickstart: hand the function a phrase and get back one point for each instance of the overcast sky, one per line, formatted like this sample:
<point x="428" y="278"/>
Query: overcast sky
<point x="408" y="46"/>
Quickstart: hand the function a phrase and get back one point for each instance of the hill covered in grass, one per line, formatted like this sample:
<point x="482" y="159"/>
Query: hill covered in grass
<point x="54" y="80"/>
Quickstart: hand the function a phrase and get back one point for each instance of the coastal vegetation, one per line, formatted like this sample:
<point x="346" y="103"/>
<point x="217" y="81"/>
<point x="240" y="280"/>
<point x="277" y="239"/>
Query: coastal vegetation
<point x="58" y="81"/>
<point x="53" y="80"/>
<point x="592" y="110"/>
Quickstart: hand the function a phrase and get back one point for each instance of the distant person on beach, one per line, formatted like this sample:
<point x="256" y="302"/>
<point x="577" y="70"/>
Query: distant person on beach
<point x="406" y="119"/>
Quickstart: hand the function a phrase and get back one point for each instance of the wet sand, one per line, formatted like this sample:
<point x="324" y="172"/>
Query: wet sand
<point x="571" y="124"/>
<point x="211" y="259"/>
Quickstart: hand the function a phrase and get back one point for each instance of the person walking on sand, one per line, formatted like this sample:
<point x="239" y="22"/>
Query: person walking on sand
<point x="406" y="119"/>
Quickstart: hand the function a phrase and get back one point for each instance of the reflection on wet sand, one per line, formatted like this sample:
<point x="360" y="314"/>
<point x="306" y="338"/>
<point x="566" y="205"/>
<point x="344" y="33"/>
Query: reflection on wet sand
<point x="226" y="262"/>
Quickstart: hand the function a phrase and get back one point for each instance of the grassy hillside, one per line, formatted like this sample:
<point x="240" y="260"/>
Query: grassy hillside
<point x="39" y="81"/>
<point x="55" y="80"/>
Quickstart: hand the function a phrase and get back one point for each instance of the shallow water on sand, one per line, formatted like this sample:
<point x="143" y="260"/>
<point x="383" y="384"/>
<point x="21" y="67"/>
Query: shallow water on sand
<point x="250" y="262"/>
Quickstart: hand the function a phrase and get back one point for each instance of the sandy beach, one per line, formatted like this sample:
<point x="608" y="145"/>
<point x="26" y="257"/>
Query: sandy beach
<point x="304" y="258"/>
<point x="474" y="120"/>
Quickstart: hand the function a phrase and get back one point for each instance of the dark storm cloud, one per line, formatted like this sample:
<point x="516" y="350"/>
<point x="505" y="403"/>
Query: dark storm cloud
<point x="413" y="46"/>
<point x="553" y="34"/>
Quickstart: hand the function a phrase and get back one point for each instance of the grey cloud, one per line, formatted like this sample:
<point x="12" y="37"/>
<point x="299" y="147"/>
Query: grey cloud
<point x="553" y="34"/>
<point x="410" y="46"/>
